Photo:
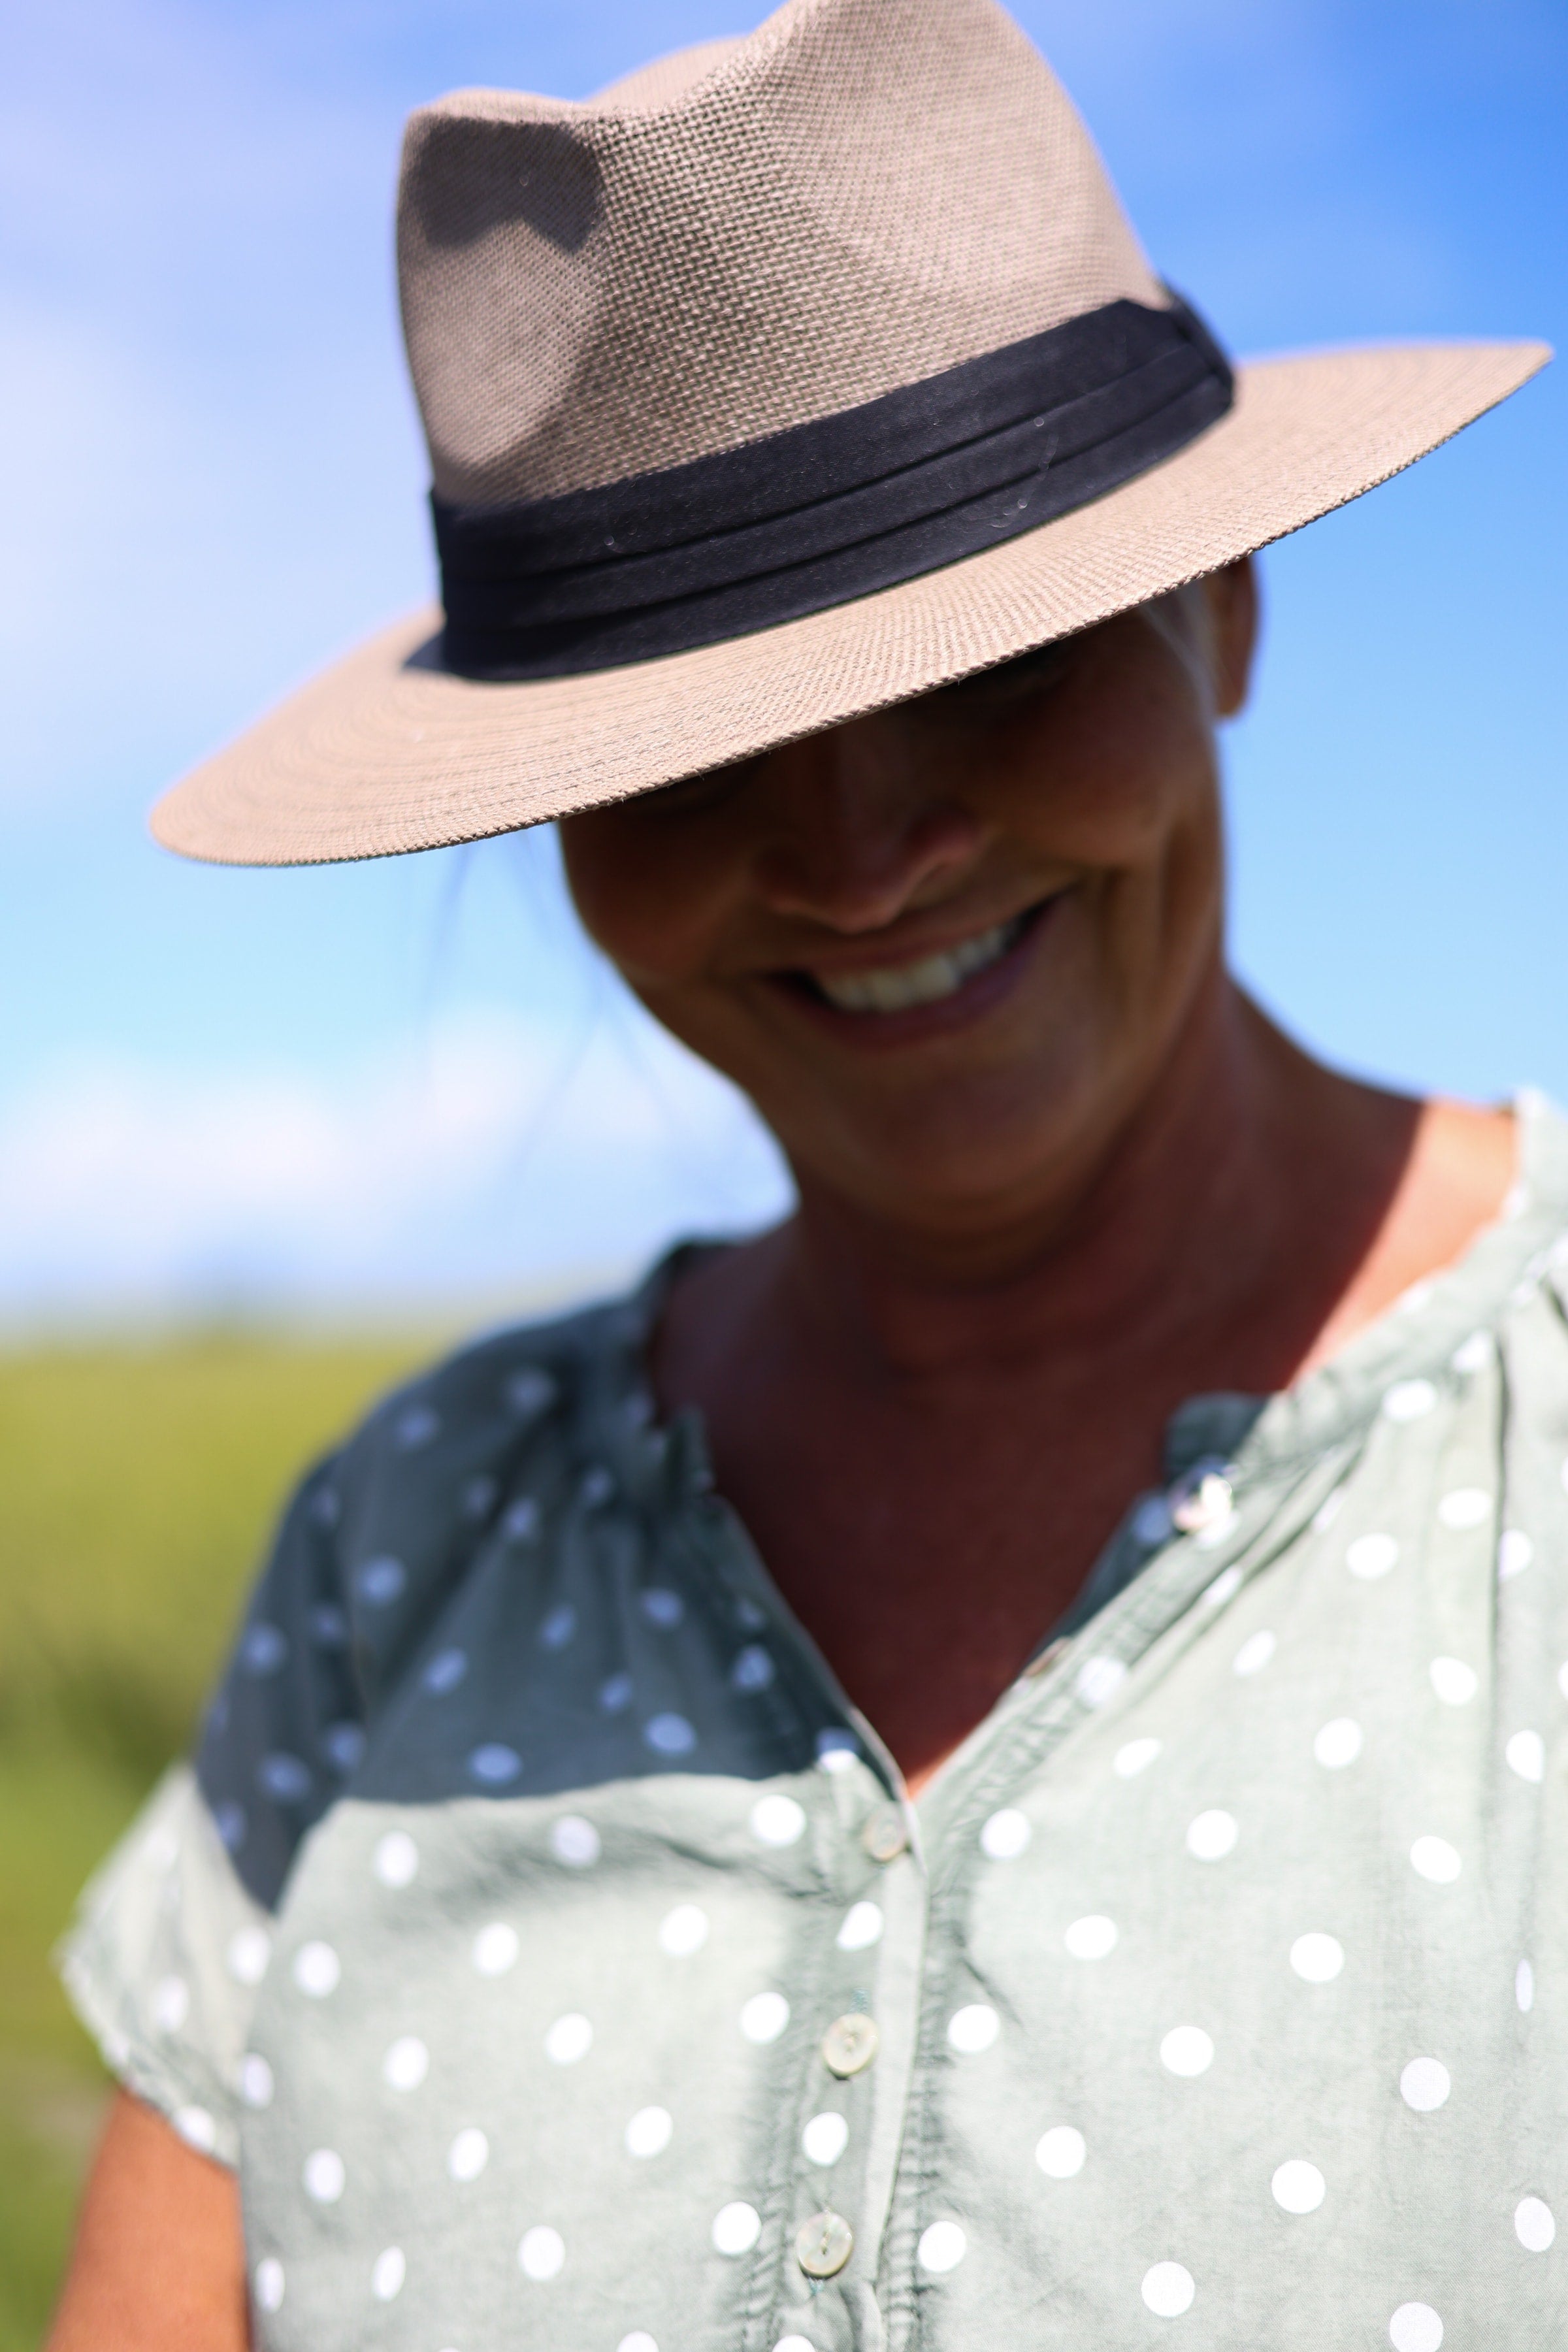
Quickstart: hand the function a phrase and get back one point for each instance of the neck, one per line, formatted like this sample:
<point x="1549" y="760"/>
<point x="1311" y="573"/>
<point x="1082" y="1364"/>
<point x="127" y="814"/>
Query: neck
<point x="1182" y="1213"/>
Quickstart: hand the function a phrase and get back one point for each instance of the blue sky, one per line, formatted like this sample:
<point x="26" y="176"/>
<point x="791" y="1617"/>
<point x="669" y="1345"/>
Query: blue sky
<point x="404" y="1086"/>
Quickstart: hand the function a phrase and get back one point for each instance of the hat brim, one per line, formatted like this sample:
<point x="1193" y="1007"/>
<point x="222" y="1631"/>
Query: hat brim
<point x="386" y="752"/>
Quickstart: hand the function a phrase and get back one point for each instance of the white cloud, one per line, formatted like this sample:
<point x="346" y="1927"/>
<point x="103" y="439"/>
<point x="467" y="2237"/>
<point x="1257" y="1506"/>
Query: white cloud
<point x="481" y="1157"/>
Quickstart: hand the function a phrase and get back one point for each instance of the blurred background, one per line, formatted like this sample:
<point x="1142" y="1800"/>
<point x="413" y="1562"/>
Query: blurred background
<point x="266" y="1139"/>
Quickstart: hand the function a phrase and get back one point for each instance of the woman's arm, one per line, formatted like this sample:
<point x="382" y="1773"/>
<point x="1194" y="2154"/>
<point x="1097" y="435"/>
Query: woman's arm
<point x="159" y="2261"/>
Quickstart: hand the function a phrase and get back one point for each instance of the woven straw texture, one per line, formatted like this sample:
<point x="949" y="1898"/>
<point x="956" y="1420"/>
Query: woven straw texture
<point x="734" y="241"/>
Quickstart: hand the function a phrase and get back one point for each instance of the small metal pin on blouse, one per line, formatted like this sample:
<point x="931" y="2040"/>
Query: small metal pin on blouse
<point x="850" y="2043"/>
<point x="824" y="2244"/>
<point x="1202" y="1497"/>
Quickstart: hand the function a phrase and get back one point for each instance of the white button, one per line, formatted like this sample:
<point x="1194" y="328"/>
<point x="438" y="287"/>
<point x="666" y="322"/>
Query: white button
<point x="824" y="2244"/>
<point x="849" y="2045"/>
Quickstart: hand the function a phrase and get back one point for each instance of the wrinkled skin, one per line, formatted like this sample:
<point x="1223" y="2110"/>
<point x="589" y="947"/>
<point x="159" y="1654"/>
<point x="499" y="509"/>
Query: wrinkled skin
<point x="1034" y="1215"/>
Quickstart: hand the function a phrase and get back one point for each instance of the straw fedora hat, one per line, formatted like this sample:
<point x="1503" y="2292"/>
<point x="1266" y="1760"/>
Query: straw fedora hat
<point x="789" y="377"/>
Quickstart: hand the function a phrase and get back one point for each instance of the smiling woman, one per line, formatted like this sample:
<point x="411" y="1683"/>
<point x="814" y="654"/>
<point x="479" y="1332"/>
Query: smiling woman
<point x="976" y="1767"/>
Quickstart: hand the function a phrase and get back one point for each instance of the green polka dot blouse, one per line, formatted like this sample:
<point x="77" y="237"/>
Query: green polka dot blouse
<point x="555" y="1953"/>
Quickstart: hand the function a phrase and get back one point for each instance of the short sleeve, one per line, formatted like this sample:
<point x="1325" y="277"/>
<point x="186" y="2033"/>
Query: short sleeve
<point x="162" y="1966"/>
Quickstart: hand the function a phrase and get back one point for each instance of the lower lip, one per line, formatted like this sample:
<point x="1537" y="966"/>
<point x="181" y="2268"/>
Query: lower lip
<point x="979" y="995"/>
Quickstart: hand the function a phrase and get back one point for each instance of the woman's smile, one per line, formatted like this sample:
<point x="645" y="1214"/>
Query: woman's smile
<point x="902" y="1000"/>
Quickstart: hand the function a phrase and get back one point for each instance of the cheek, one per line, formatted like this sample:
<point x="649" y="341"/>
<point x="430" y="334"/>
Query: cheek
<point x="1126" y="770"/>
<point x="650" y="902"/>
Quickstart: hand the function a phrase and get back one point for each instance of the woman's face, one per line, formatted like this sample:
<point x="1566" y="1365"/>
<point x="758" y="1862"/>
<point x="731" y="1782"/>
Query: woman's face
<point x="947" y="948"/>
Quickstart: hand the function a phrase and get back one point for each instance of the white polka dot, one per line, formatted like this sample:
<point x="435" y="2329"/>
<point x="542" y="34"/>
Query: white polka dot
<point x="495" y="1763"/>
<point x="596" y="1489"/>
<point x="1217" y="1531"/>
<point x="973" y="2028"/>
<point x="836" y="1751"/>
<point x="1317" y="1958"/>
<point x="161" y="1848"/>
<point x="1370" y="1556"/>
<point x="1225" y="1585"/>
<point x="317" y="1970"/>
<point x="1514" y="1553"/>
<point x="574" y="1842"/>
<point x="1254" y="1654"/>
<point x="1168" y="2289"/>
<point x="1099" y="1679"/>
<point x="248" y="1955"/>
<point x="254" y="2081"/>
<point x="446" y="1671"/>
<point x="195" y="2125"/>
<point x="669" y="1734"/>
<point x="662" y="1607"/>
<point x="1465" y="1506"/>
<point x="764" y="2017"/>
<point x="1524" y="1987"/>
<point x="683" y="1931"/>
<point x="1005" y="1835"/>
<point x="344" y="1744"/>
<point x="1152" y="1521"/>
<point x="541" y="2253"/>
<point x="495" y="1948"/>
<point x="380" y="1581"/>
<point x="1454" y="1682"/>
<point x="777" y="1820"/>
<point x="616" y="1694"/>
<point x="941" y="2248"/>
<point x="269" y="2283"/>
<point x="1329" y="1509"/>
<point x="530" y="1391"/>
<point x="825" y="2138"/>
<point x="1416" y="2327"/>
<point x="1434" y="1858"/>
<point x="1186" y="2050"/>
<point x="1474" y="1354"/>
<point x="262" y="1650"/>
<point x="1091" y="1938"/>
<point x="1212" y="1836"/>
<point x="570" y="2038"/>
<point x="1409" y="1400"/>
<point x="640" y="2340"/>
<point x="324" y="2175"/>
<point x="1299" y="2187"/>
<point x="520" y="1520"/>
<point x="648" y="2132"/>
<point x="558" y="1627"/>
<point x="736" y="2229"/>
<point x="171" y="2003"/>
<point x="1060" y="2152"/>
<point x="395" y="1861"/>
<point x="753" y="1669"/>
<point x="1533" y="2225"/>
<point x="1563" y="1474"/>
<point x="793" y="2344"/>
<point x="1526" y="1754"/>
<point x="406" y="2063"/>
<point x="286" y="1779"/>
<point x="478" y="1497"/>
<point x="1338" y="1744"/>
<point x="1135" y="1757"/>
<point x="862" y="1927"/>
<point x="468" y="2154"/>
<point x="1424" y="2086"/>
<point x="417" y="1426"/>
<point x="387" y="2275"/>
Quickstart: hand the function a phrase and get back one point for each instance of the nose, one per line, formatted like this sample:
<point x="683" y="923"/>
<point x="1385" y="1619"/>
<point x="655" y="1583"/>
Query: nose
<point x="859" y="836"/>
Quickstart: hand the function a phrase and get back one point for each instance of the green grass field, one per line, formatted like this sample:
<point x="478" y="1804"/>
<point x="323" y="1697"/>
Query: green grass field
<point x="136" y="1492"/>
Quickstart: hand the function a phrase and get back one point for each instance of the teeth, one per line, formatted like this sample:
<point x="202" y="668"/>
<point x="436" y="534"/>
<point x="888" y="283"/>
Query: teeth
<point x="897" y="986"/>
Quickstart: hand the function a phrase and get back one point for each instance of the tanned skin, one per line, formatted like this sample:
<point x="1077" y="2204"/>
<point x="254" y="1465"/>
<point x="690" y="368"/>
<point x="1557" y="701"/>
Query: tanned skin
<point x="1033" y="1216"/>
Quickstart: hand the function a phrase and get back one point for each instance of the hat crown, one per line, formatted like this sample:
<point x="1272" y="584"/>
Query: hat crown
<point x="860" y="194"/>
